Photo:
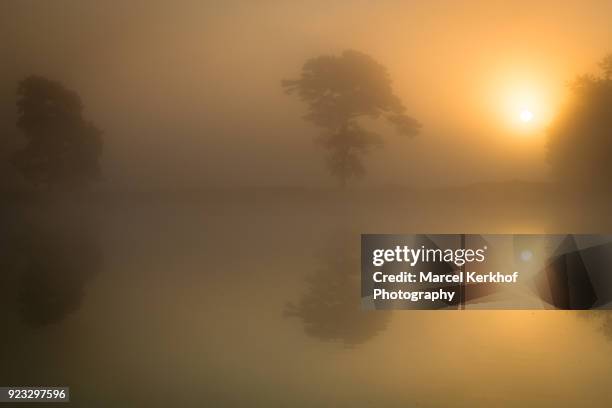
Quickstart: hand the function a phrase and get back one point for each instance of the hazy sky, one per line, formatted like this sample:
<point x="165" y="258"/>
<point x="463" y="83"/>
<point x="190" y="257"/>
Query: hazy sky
<point x="188" y="92"/>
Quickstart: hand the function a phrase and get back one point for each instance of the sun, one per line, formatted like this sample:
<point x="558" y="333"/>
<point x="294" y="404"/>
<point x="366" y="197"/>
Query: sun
<point x="526" y="115"/>
<point x="523" y="108"/>
<point x="523" y="102"/>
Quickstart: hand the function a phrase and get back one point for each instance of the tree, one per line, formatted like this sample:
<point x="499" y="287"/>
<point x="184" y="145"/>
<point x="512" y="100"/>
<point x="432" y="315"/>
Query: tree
<point x="62" y="148"/>
<point x="580" y="139"/>
<point x="606" y="66"/>
<point x="339" y="92"/>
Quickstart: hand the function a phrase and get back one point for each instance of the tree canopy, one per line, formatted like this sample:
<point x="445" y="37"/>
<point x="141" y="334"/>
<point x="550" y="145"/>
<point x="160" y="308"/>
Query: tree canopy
<point x="580" y="139"/>
<point x="339" y="90"/>
<point x="62" y="149"/>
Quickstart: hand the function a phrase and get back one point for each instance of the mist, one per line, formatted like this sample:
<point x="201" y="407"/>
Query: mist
<point x="177" y="239"/>
<point x="188" y="96"/>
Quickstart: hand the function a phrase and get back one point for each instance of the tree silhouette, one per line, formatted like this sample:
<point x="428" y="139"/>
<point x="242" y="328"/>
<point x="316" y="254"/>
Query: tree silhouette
<point x="580" y="139"/>
<point x="62" y="148"/>
<point x="341" y="90"/>
<point x="606" y="66"/>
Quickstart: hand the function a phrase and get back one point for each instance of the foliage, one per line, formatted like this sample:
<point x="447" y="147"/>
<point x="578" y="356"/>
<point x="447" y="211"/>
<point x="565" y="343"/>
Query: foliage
<point x="341" y="90"/>
<point x="580" y="139"/>
<point x="62" y="148"/>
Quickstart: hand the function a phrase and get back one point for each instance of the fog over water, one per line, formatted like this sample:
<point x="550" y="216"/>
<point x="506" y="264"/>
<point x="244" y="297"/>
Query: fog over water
<point x="216" y="263"/>
<point x="189" y="305"/>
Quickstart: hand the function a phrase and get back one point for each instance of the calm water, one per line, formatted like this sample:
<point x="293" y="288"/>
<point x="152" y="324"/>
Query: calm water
<point x="223" y="300"/>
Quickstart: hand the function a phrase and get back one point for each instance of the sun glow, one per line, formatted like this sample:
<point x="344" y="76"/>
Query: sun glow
<point x="526" y="108"/>
<point x="526" y="115"/>
<point x="522" y="101"/>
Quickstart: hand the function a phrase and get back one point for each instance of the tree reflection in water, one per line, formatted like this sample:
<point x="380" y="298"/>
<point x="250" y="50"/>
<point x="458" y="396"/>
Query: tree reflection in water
<point x="55" y="264"/>
<point x="330" y="307"/>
